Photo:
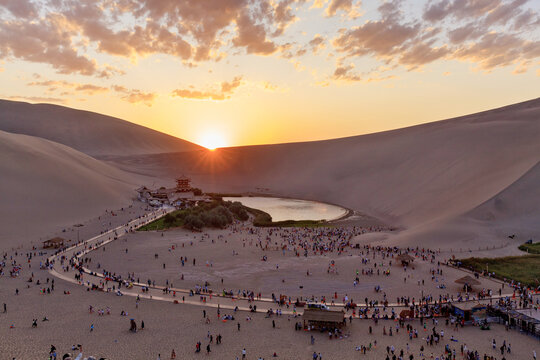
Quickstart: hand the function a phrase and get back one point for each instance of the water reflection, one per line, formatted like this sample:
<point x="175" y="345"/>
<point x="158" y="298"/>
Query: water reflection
<point x="292" y="209"/>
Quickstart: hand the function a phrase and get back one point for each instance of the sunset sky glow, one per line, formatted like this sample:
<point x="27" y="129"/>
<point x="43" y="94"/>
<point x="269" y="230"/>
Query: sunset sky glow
<point x="238" y="72"/>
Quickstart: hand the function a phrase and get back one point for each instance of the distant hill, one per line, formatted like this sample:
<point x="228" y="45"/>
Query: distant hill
<point x="91" y="133"/>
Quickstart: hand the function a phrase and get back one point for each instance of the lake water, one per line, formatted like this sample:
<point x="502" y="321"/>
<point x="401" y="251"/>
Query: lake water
<point x="291" y="209"/>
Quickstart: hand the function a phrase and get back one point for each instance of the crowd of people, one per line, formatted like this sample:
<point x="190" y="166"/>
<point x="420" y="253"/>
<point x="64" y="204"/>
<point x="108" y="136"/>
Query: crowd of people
<point x="373" y="262"/>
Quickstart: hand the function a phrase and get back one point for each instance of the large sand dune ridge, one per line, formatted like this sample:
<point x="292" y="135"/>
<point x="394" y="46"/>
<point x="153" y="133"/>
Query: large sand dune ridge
<point x="46" y="186"/>
<point x="409" y="176"/>
<point x="88" y="132"/>
<point x="446" y="181"/>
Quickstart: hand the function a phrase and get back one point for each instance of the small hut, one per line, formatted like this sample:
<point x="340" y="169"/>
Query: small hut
<point x="469" y="310"/>
<point x="319" y="319"/>
<point x="54" y="243"/>
<point x="528" y="320"/>
<point x="405" y="259"/>
<point x="467" y="282"/>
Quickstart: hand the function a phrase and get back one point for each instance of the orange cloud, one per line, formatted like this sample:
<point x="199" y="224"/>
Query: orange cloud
<point x="19" y="8"/>
<point x="410" y="43"/>
<point x="68" y="34"/>
<point x="347" y="7"/>
<point x="45" y="41"/>
<point x="346" y="73"/>
<point x="225" y="91"/>
<point x="317" y="43"/>
<point x="54" y="85"/>
<point x="437" y="11"/>
<point x="495" y="50"/>
<point x="135" y="96"/>
<point x="421" y="54"/>
<point x="253" y="37"/>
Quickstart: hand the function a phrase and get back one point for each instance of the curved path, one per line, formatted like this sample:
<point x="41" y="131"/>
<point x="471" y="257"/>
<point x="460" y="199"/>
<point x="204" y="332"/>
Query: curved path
<point x="89" y="278"/>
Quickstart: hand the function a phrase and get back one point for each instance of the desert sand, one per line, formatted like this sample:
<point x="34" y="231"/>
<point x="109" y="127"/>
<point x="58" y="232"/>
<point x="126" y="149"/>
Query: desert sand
<point x="458" y="187"/>
<point x="47" y="186"/>
<point x="421" y="178"/>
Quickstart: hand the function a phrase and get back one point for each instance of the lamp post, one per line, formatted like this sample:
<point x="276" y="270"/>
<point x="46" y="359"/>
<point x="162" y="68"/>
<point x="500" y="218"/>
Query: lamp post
<point x="78" y="226"/>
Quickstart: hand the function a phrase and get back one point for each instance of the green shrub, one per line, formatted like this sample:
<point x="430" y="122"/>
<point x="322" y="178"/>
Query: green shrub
<point x="238" y="210"/>
<point x="169" y="219"/>
<point x="193" y="222"/>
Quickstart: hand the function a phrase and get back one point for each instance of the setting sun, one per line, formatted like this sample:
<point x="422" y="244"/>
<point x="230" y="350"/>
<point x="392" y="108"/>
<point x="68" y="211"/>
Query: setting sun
<point x="212" y="140"/>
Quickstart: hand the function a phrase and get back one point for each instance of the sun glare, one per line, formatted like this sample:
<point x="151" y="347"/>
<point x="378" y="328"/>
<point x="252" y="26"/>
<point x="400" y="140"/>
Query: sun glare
<point x="212" y="141"/>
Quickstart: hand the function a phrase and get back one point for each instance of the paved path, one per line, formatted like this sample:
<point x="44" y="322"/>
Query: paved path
<point x="156" y="292"/>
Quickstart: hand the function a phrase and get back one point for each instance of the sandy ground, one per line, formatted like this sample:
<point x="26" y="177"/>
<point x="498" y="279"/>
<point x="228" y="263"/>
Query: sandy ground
<point x="460" y="186"/>
<point x="282" y="273"/>
<point x="179" y="326"/>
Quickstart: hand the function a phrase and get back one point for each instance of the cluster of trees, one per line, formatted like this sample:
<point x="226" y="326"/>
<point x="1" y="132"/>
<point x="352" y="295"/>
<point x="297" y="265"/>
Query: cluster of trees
<point x="262" y="219"/>
<point x="217" y="214"/>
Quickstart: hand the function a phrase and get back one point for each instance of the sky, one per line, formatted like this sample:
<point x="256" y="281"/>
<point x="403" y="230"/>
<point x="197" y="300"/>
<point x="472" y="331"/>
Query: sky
<point x="242" y="72"/>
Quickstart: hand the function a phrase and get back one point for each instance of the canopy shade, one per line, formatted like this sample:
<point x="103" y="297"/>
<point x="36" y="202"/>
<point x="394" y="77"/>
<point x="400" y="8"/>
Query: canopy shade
<point x="468" y="280"/>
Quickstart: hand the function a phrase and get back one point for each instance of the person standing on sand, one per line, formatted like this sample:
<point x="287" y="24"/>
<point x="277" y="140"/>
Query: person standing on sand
<point x="173" y="355"/>
<point x="5" y="308"/>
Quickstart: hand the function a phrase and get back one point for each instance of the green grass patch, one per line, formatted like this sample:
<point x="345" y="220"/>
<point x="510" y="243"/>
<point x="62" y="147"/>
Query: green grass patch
<point x="160" y="224"/>
<point x="531" y="248"/>
<point x="220" y="196"/>
<point x="525" y="269"/>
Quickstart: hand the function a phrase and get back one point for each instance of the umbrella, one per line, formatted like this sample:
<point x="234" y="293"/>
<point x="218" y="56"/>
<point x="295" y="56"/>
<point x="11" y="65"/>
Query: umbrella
<point x="406" y="313"/>
<point x="468" y="280"/>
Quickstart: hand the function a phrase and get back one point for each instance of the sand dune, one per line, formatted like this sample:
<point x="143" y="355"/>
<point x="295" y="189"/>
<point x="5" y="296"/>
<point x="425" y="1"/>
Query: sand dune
<point x="412" y="176"/>
<point x="88" y="132"/>
<point x="46" y="186"/>
<point x="518" y="201"/>
<point x="446" y="182"/>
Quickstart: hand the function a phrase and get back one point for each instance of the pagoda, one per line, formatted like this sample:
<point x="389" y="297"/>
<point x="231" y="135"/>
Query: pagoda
<point x="183" y="184"/>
